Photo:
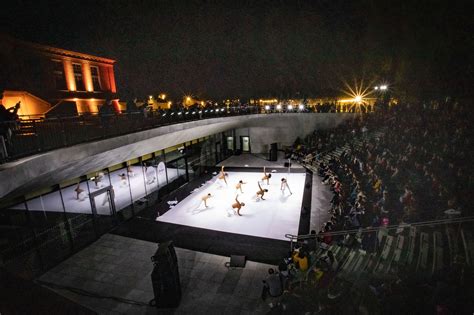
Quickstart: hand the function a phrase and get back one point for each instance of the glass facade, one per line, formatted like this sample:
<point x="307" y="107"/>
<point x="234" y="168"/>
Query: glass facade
<point x="39" y="230"/>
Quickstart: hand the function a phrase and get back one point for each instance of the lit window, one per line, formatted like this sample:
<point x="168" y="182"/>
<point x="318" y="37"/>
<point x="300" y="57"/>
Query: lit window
<point x="58" y="74"/>
<point x="95" y="78"/>
<point x="77" y="68"/>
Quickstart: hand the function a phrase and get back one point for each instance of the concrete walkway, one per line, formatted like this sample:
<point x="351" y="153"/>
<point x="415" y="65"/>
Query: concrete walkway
<point x="120" y="267"/>
<point x="320" y="204"/>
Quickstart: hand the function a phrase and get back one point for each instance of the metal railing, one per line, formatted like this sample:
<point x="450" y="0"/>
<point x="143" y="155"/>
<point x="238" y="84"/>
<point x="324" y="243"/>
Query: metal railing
<point x="295" y="238"/>
<point x="31" y="136"/>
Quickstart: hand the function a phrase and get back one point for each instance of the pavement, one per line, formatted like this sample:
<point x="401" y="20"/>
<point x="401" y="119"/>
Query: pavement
<point x="120" y="268"/>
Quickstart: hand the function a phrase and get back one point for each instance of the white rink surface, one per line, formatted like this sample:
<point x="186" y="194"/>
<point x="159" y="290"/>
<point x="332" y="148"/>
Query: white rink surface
<point x="52" y="201"/>
<point x="271" y="218"/>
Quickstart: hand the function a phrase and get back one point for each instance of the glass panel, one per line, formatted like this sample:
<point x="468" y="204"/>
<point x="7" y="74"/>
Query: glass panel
<point x="121" y="181"/>
<point x="175" y="152"/>
<point x="172" y="170"/>
<point x="139" y="174"/>
<point x="103" y="204"/>
<point x="79" y="213"/>
<point x="218" y="152"/>
<point x="51" y="230"/>
<point x="17" y="245"/>
<point x="230" y="143"/>
<point x="99" y="180"/>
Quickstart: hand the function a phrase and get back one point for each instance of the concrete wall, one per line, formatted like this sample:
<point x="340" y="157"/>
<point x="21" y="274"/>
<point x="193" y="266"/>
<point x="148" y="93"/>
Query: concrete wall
<point x="50" y="168"/>
<point x="285" y="128"/>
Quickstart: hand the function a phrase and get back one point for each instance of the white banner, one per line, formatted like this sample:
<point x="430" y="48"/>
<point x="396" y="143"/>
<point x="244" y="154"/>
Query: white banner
<point x="161" y="168"/>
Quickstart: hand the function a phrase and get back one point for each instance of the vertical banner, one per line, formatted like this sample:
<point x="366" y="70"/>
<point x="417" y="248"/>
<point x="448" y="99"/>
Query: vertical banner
<point x="161" y="172"/>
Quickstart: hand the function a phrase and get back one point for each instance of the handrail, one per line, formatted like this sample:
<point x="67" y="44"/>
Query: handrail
<point x="293" y="237"/>
<point x="27" y="137"/>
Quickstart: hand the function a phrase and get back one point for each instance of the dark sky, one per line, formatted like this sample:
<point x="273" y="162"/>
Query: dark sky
<point x="223" y="49"/>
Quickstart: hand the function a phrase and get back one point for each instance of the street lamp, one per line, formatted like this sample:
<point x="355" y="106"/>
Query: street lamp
<point x="290" y="107"/>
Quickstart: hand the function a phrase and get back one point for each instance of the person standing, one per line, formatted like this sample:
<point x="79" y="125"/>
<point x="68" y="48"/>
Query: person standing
<point x="284" y="186"/>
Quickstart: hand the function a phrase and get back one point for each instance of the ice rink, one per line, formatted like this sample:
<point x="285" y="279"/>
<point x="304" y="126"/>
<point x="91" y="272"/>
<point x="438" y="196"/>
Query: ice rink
<point x="271" y="218"/>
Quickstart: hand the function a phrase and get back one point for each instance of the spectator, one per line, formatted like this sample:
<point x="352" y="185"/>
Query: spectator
<point x="272" y="287"/>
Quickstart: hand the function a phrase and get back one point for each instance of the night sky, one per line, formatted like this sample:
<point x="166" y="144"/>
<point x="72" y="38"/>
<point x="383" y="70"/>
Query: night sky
<point x="226" y="49"/>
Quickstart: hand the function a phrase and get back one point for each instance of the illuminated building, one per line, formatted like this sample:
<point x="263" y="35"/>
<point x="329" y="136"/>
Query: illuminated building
<point x="51" y="81"/>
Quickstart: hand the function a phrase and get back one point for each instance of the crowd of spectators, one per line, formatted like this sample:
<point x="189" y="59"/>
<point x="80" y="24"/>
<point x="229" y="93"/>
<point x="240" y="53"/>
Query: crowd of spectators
<point x="416" y="169"/>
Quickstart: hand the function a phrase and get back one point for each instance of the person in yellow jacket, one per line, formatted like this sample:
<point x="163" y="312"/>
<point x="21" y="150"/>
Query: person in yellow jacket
<point x="300" y="259"/>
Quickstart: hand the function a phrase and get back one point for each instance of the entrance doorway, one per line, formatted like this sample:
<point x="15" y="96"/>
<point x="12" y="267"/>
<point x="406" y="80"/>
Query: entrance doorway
<point x="245" y="143"/>
<point x="103" y="209"/>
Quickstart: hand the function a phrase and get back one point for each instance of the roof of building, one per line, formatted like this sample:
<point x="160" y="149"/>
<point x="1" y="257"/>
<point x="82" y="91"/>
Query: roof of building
<point x="55" y="50"/>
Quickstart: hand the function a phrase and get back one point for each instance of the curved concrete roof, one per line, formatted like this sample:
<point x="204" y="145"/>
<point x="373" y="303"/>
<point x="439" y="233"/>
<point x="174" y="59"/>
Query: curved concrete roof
<point x="50" y="168"/>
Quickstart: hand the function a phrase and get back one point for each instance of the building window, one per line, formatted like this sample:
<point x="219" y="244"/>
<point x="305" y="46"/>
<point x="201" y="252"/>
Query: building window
<point x="59" y="77"/>
<point x="95" y="78"/>
<point x="77" y="68"/>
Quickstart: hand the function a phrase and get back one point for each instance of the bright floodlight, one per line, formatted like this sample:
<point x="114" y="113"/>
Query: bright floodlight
<point x="267" y="107"/>
<point x="278" y="106"/>
<point x="301" y="107"/>
<point x="290" y="107"/>
<point x="383" y="87"/>
<point x="376" y="88"/>
<point x="358" y="98"/>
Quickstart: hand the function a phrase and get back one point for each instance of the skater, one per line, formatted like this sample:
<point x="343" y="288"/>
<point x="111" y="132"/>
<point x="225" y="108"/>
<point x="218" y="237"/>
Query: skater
<point x="266" y="176"/>
<point x="239" y="186"/>
<point x="222" y="175"/>
<point x="205" y="197"/>
<point x="78" y="190"/>
<point x="237" y="205"/>
<point x="261" y="192"/>
<point x="284" y="186"/>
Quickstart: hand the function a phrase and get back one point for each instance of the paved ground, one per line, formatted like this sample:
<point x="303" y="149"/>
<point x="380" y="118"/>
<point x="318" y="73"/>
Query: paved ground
<point x="119" y="266"/>
<point x="320" y="203"/>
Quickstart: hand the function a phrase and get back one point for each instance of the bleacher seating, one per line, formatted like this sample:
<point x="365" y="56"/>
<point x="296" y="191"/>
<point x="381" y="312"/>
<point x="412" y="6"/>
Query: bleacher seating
<point x="410" y="245"/>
